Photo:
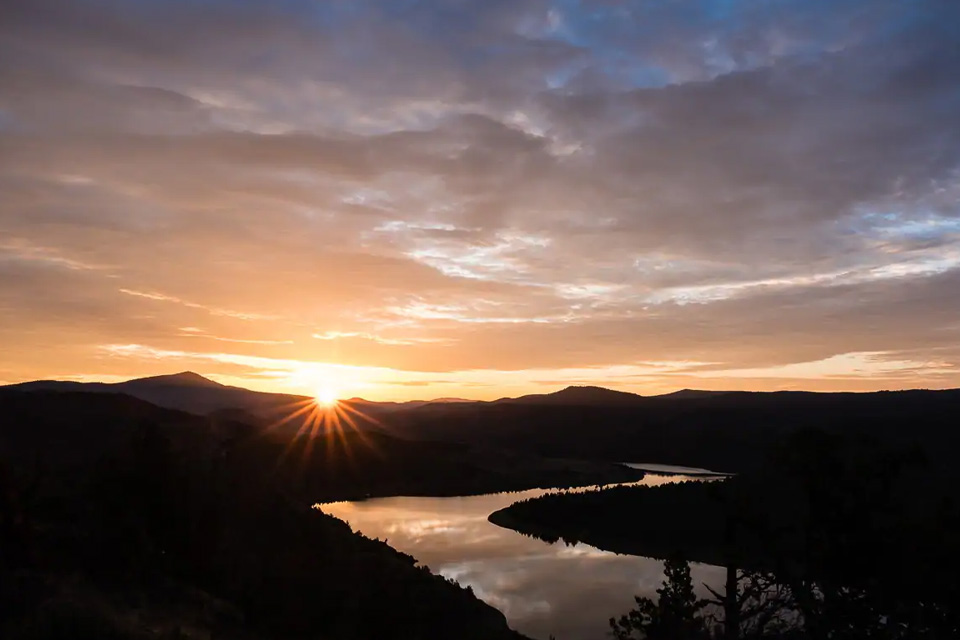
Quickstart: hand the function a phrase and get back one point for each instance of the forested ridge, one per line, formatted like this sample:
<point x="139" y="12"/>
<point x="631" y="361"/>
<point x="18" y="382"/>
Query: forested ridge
<point x="833" y="537"/>
<point x="120" y="520"/>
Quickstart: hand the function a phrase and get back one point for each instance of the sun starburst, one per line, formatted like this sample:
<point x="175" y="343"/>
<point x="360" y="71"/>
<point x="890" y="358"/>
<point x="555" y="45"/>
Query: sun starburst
<point x="326" y="396"/>
<point x="325" y="419"/>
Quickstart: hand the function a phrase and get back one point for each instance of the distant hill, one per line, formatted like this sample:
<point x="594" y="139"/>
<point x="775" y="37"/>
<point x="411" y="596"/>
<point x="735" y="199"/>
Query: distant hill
<point x="580" y="396"/>
<point x="68" y="430"/>
<point x="362" y="403"/>
<point x="187" y="391"/>
<point x="183" y="379"/>
<point x="191" y="392"/>
<point x="688" y="394"/>
<point x="724" y="431"/>
<point x="721" y="430"/>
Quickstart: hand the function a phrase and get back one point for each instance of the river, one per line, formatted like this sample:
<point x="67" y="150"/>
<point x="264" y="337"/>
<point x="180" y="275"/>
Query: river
<point x="569" y="591"/>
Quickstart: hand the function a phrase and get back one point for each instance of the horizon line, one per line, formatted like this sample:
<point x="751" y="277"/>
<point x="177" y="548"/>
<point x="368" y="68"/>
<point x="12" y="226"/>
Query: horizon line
<point x="83" y="380"/>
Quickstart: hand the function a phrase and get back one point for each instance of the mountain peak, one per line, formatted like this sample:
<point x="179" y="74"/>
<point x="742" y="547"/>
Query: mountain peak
<point x="690" y="394"/>
<point x="593" y="392"/>
<point x="579" y="395"/>
<point x="182" y="379"/>
<point x="191" y="375"/>
<point x="587" y="388"/>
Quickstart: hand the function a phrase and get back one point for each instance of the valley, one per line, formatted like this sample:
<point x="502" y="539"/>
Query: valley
<point x="219" y="503"/>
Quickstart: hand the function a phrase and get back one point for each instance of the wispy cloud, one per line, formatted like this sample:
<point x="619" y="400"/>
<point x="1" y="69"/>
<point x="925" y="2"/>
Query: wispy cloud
<point x="160" y="297"/>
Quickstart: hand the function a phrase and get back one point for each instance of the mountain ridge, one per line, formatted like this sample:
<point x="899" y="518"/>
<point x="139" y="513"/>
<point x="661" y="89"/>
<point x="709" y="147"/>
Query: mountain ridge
<point x="577" y="395"/>
<point x="167" y="390"/>
<point x="185" y="378"/>
<point x="152" y="388"/>
<point x="184" y="391"/>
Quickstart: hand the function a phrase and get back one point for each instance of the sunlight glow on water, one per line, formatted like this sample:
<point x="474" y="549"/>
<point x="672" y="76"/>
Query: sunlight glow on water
<point x="542" y="589"/>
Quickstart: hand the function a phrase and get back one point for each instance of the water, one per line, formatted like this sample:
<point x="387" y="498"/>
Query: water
<point x="671" y="469"/>
<point x="542" y="589"/>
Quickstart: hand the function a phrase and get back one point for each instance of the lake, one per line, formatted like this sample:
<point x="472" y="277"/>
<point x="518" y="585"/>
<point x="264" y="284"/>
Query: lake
<point x="569" y="591"/>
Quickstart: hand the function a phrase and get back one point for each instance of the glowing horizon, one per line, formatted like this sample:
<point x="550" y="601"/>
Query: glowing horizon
<point x="851" y="372"/>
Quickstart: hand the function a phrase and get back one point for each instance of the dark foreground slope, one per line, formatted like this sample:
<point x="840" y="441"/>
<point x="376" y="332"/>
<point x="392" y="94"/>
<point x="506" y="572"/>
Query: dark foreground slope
<point x="725" y="432"/>
<point x="122" y="520"/>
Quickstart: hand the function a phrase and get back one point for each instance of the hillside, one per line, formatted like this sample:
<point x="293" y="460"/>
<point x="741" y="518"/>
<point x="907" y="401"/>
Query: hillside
<point x="64" y="431"/>
<point x="125" y="520"/>
<point x="725" y="431"/>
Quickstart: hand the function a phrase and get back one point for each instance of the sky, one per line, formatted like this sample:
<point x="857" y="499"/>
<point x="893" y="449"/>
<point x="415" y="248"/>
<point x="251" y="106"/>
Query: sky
<point x="404" y="199"/>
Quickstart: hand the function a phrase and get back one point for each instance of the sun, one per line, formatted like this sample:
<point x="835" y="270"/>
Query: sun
<point x="325" y="396"/>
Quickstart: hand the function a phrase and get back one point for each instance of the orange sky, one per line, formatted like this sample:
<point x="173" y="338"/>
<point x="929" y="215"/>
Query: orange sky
<point x="504" y="199"/>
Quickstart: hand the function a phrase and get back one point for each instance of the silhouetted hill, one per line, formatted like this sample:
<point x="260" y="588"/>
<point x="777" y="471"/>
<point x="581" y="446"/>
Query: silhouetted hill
<point x="65" y="430"/>
<point x="196" y="394"/>
<point x="183" y="379"/>
<point x="690" y="394"/>
<point x="185" y="391"/>
<point x="191" y="392"/>
<point x="120" y="519"/>
<point x="724" y="431"/>
<point x="577" y="395"/>
<point x="59" y="385"/>
<point x="390" y="406"/>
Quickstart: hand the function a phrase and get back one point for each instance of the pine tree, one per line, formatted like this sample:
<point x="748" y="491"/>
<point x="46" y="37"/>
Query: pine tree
<point x="675" y="615"/>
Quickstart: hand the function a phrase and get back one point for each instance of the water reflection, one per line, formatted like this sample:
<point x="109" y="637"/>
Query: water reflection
<point x="671" y="469"/>
<point x="542" y="589"/>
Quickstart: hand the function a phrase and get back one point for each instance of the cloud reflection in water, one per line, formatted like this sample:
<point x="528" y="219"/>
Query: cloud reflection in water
<point x="542" y="589"/>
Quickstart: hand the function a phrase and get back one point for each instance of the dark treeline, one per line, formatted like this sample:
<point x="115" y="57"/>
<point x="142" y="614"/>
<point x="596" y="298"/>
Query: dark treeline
<point x="349" y="465"/>
<point x="841" y="537"/>
<point x="725" y="432"/>
<point x="119" y="520"/>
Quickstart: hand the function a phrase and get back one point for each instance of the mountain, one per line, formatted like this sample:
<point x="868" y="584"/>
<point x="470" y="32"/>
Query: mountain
<point x="579" y="396"/>
<point x="191" y="392"/>
<point x="63" y="429"/>
<point x="720" y="430"/>
<point x="186" y="391"/>
<point x="184" y="379"/>
<point x="690" y="394"/>
<point x="389" y="406"/>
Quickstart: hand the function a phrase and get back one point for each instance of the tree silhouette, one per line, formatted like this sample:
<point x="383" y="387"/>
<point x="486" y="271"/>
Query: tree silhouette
<point x="675" y="615"/>
<point x="839" y="538"/>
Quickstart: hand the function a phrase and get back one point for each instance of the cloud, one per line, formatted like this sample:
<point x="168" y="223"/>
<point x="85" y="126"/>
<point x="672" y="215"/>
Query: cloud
<point x="501" y="186"/>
